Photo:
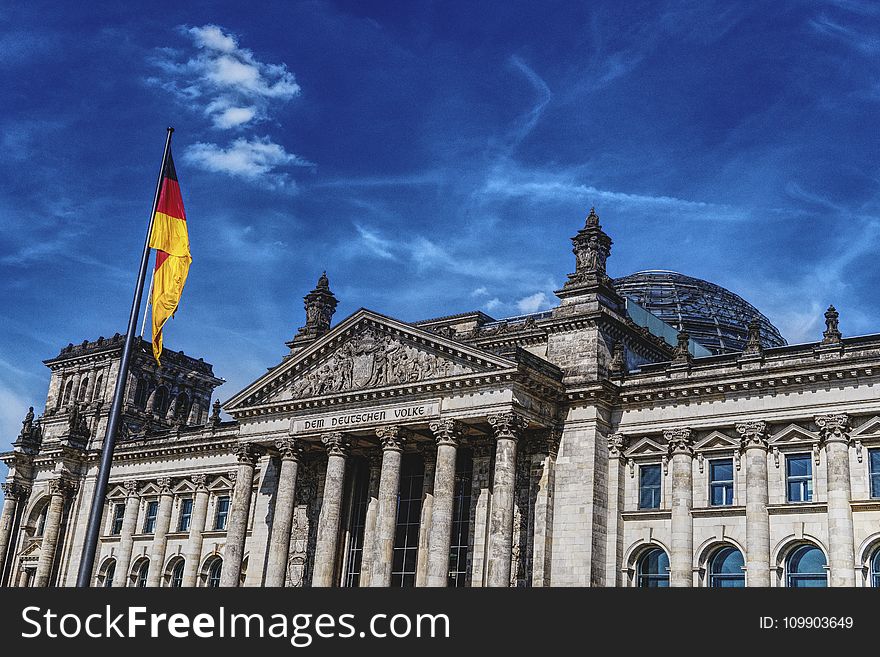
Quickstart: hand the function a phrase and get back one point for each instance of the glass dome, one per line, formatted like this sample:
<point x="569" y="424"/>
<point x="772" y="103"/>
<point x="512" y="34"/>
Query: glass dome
<point x="713" y="316"/>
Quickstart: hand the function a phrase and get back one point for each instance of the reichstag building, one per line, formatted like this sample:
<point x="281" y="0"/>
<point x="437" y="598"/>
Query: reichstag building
<point x="651" y="430"/>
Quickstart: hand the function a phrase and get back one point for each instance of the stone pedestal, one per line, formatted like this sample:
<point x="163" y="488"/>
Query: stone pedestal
<point x="393" y="439"/>
<point x="447" y="433"/>
<point x="681" y="454"/>
<point x="757" y="557"/>
<point x="338" y="447"/>
<point x="508" y="427"/>
<point x="239" y="514"/>
<point x="282" y="521"/>
<point x="196" y="527"/>
<point x="160" y="535"/>
<point x="841" y="545"/>
<point x="129" y="525"/>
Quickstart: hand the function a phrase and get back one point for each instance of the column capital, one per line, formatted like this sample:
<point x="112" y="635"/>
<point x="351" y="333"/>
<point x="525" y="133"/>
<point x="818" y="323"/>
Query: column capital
<point x="753" y="434"/>
<point x="447" y="431"/>
<point x="132" y="487"/>
<point x="617" y="444"/>
<point x="15" y="491"/>
<point x="508" y="425"/>
<point x="248" y="453"/>
<point x="291" y="449"/>
<point x="62" y="486"/>
<point x="833" y="427"/>
<point x="200" y="481"/>
<point x="680" y="440"/>
<point x="393" y="437"/>
<point x="337" y="444"/>
<point x="164" y="484"/>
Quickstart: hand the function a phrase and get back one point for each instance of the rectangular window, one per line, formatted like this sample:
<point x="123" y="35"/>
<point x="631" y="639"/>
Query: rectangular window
<point x="721" y="482"/>
<point x="186" y="512"/>
<point x="409" y="516"/>
<point x="649" y="486"/>
<point x="799" y="477"/>
<point x="150" y="518"/>
<point x="461" y="519"/>
<point x="874" y="468"/>
<point x="118" y="517"/>
<point x="222" y="512"/>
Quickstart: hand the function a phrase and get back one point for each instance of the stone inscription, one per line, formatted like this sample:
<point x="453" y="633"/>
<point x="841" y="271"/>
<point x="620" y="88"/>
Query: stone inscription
<point x="378" y="416"/>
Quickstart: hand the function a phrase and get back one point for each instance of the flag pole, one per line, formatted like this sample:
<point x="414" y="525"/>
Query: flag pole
<point x="90" y="545"/>
<point x="149" y="301"/>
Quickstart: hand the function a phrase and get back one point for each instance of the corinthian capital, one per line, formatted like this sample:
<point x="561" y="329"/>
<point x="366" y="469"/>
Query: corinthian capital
<point x="617" y="443"/>
<point x="132" y="487"/>
<point x="753" y="434"/>
<point x="200" y="481"/>
<point x="164" y="484"/>
<point x="680" y="440"/>
<point x="61" y="486"/>
<point x="15" y="491"/>
<point x="507" y="425"/>
<point x="447" y="431"/>
<point x="248" y="453"/>
<point x="833" y="427"/>
<point x="337" y="444"/>
<point x="393" y="437"/>
<point x="291" y="449"/>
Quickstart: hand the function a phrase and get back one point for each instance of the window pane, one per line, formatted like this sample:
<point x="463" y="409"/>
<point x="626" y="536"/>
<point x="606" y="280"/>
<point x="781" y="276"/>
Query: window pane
<point x="650" y="475"/>
<point x="875" y="461"/>
<point x="794" y="491"/>
<point x="721" y="470"/>
<point x="799" y="466"/>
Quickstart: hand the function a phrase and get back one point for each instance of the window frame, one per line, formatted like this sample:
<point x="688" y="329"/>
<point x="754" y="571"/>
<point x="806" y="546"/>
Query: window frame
<point x="803" y="577"/>
<point x="642" y="577"/>
<point x="149" y="526"/>
<point x="658" y="487"/>
<point x="727" y="484"/>
<point x="117" y="518"/>
<point x="215" y="570"/>
<point x="714" y="577"/>
<point x="186" y="510"/>
<point x="175" y="580"/>
<point x="220" y="498"/>
<point x="873" y="476"/>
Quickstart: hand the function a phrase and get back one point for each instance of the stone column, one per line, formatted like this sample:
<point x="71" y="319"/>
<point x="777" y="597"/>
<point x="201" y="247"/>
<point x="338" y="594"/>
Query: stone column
<point x="239" y="513"/>
<point x="430" y="457"/>
<point x="160" y="535"/>
<point x="448" y="434"/>
<point x="481" y="494"/>
<point x="338" y="448"/>
<point x="681" y="452"/>
<point x="282" y="520"/>
<point x="757" y="557"/>
<point x="59" y="490"/>
<point x="834" y="429"/>
<point x="367" y="556"/>
<point x="12" y="493"/>
<point x="393" y="439"/>
<point x="126" y="542"/>
<point x="197" y="524"/>
<point x="508" y="427"/>
<point x="543" y="477"/>
<point x="617" y="444"/>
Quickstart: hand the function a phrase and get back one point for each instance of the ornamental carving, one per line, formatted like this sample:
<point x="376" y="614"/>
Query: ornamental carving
<point x="132" y="487"/>
<point x="680" y="441"/>
<point x="200" y="481"/>
<point x="393" y="438"/>
<point x="833" y="426"/>
<point x="15" y="491"/>
<point x="337" y="444"/>
<point x="753" y="434"/>
<point x="507" y="425"/>
<point x="164" y="484"/>
<point x="61" y="486"/>
<point x="447" y="431"/>
<point x="247" y="453"/>
<point x="372" y="360"/>
<point x="617" y="443"/>
<point x="290" y="449"/>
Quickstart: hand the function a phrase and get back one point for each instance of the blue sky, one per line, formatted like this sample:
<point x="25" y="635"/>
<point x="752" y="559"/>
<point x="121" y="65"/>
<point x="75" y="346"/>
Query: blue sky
<point x="433" y="157"/>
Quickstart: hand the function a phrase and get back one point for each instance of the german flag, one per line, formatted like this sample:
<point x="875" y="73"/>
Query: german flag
<point x="170" y="239"/>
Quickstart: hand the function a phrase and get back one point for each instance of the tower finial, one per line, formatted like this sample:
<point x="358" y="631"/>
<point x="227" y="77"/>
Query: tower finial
<point x="832" y="334"/>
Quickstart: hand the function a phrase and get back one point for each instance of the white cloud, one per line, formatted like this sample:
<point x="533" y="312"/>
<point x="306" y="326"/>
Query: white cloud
<point x="492" y="304"/>
<point x="234" y="116"/>
<point x="211" y="36"/>
<point x="533" y="303"/>
<point x="480" y="292"/>
<point x="254" y="159"/>
<point x="375" y="243"/>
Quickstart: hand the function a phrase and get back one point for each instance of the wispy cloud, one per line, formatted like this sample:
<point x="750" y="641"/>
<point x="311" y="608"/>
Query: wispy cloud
<point x="255" y="159"/>
<point x="867" y="44"/>
<point x="533" y="303"/>
<point x="530" y="119"/>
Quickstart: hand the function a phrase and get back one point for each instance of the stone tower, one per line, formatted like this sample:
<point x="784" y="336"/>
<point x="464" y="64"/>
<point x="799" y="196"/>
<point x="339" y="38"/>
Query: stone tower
<point x="320" y="305"/>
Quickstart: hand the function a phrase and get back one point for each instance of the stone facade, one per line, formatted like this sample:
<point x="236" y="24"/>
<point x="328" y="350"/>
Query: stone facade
<point x="573" y="447"/>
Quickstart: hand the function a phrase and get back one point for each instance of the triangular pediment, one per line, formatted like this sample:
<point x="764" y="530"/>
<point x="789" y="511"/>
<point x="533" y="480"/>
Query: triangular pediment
<point x="220" y="483"/>
<point x="868" y="428"/>
<point x="367" y="351"/>
<point x="116" y="492"/>
<point x="31" y="551"/>
<point x="792" y="434"/>
<point x="717" y="440"/>
<point x="645" y="447"/>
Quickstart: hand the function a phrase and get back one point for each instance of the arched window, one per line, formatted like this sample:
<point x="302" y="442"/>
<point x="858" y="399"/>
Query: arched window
<point x="141" y="581"/>
<point x="160" y="402"/>
<point x="875" y="569"/>
<point x="98" y="383"/>
<point x="726" y="569"/>
<point x="653" y="569"/>
<point x="806" y="568"/>
<point x="83" y="387"/>
<point x="176" y="580"/>
<point x="109" y="572"/>
<point x="68" y="392"/>
<point x="181" y="411"/>
<point x="214" y="573"/>
<point x="141" y="393"/>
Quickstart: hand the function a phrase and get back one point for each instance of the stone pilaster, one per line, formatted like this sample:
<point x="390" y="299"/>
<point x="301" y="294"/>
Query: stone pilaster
<point x="681" y="454"/>
<point x="544" y="471"/>
<point x="60" y="489"/>
<point x="126" y="541"/>
<point x="239" y="514"/>
<point x="285" y="499"/>
<point x="834" y="429"/>
<point x="617" y="444"/>
<point x="196" y="527"/>
<point x="393" y="439"/>
<point x="160" y="535"/>
<point x="448" y="433"/>
<point x="481" y="494"/>
<point x="369" y="551"/>
<point x="338" y="448"/>
<point x="757" y="557"/>
<point x="508" y="428"/>
<point x="13" y="494"/>
<point x="429" y="455"/>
